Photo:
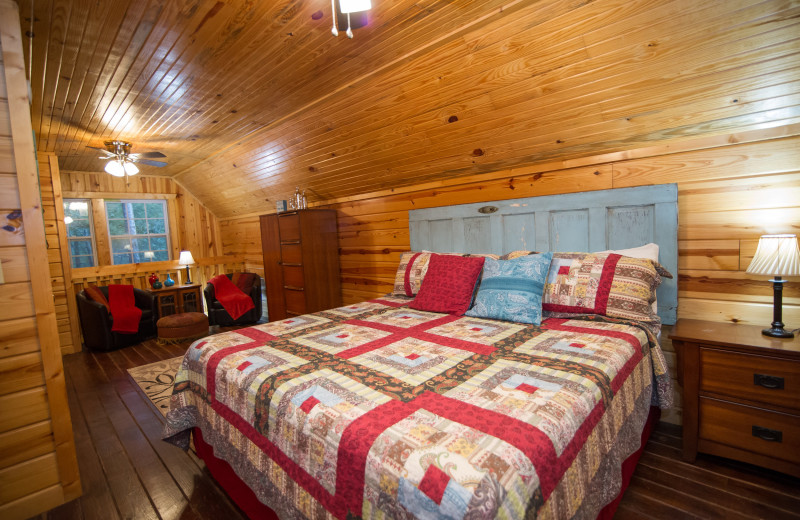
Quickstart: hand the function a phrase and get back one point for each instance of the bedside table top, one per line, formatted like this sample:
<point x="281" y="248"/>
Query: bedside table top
<point x="734" y="335"/>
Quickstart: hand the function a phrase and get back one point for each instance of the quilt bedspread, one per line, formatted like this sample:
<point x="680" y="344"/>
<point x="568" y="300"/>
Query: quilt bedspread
<point x="375" y="410"/>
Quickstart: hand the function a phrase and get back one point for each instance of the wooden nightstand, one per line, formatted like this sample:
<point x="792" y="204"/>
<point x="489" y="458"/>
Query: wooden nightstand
<point x="741" y="393"/>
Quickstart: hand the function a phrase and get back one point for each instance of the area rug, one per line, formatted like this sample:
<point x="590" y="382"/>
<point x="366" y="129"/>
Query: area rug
<point x="156" y="381"/>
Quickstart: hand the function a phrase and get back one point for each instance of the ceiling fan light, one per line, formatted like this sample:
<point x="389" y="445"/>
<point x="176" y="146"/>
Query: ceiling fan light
<point x="115" y="168"/>
<point x="130" y="168"/>
<point x="354" y="6"/>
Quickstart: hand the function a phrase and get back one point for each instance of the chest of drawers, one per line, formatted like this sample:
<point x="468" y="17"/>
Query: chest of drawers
<point x="741" y="393"/>
<point x="301" y="262"/>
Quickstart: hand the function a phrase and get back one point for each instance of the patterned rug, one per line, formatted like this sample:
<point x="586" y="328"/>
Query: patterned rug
<point x="156" y="380"/>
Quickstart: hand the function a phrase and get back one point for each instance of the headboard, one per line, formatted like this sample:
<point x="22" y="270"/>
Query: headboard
<point x="588" y="221"/>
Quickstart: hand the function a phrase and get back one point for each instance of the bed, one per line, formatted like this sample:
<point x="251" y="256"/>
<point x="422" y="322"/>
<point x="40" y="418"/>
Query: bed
<point x="383" y="410"/>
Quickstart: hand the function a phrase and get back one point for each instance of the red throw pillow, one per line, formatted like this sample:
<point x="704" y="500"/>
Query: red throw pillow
<point x="449" y="284"/>
<point x="95" y="294"/>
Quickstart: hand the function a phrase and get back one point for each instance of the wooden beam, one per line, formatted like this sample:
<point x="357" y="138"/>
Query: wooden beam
<point x="117" y="195"/>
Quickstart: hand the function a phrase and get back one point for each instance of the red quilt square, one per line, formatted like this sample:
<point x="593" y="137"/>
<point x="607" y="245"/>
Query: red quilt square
<point x="412" y="357"/>
<point x="244" y="365"/>
<point x="525" y="387"/>
<point x="309" y="404"/>
<point x="434" y="483"/>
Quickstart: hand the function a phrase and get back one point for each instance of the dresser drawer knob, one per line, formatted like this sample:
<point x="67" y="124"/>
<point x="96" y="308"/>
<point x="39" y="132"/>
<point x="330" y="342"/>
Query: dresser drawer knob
<point x="771" y="382"/>
<point x="767" y="434"/>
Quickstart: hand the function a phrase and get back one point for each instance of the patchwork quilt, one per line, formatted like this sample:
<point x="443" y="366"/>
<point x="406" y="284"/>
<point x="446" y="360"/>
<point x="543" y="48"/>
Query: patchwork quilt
<point x="376" y="410"/>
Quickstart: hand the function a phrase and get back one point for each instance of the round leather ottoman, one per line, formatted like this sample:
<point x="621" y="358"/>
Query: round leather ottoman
<point x="179" y="327"/>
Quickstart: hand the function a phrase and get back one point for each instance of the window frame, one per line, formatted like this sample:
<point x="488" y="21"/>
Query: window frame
<point x="92" y="235"/>
<point x="111" y="238"/>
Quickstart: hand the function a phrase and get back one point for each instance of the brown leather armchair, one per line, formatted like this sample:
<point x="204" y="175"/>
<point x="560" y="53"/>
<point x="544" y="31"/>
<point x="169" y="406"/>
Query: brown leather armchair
<point x="217" y="315"/>
<point x="96" y="321"/>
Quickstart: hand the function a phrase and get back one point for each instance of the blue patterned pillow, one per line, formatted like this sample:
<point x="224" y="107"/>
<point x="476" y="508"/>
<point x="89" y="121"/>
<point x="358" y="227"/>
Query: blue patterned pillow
<point x="511" y="290"/>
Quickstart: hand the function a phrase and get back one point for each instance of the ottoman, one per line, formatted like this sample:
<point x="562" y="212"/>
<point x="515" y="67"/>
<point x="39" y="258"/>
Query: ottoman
<point x="179" y="327"/>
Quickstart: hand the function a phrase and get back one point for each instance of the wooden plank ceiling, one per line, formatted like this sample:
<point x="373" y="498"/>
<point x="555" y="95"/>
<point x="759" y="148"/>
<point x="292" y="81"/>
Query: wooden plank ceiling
<point x="249" y="99"/>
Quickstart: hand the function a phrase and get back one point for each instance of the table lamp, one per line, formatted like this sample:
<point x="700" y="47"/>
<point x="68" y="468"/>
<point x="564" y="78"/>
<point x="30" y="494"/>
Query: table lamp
<point x="778" y="256"/>
<point x="186" y="259"/>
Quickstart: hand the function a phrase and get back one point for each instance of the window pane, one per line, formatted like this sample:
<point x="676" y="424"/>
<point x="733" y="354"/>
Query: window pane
<point x="120" y="245"/>
<point x="158" y="243"/>
<point x="138" y="209"/>
<point x="140" y="226"/>
<point x="114" y="210"/>
<point x="117" y="227"/>
<point x="122" y="259"/>
<point x="161" y="255"/>
<point x="155" y="210"/>
<point x="79" y="228"/>
<point x="139" y="257"/>
<point x="80" y="247"/>
<point x="156" y="226"/>
<point x="82" y="261"/>
<point x="140" y="244"/>
<point x="76" y="209"/>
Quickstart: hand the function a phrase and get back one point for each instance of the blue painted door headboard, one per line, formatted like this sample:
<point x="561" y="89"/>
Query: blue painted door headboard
<point x="588" y="221"/>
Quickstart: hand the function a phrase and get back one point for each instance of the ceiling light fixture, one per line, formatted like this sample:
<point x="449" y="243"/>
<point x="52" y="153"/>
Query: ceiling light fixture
<point x="121" y="167"/>
<point x="347" y="7"/>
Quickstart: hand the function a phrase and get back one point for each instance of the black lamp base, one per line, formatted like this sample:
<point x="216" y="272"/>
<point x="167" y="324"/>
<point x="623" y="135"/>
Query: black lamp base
<point x="778" y="333"/>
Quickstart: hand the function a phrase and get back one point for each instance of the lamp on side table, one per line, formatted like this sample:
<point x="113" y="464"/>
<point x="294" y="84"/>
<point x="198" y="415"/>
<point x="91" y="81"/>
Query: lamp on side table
<point x="186" y="259"/>
<point x="777" y="255"/>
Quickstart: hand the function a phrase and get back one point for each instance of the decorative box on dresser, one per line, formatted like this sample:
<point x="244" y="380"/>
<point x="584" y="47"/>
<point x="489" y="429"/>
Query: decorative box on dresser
<point x="301" y="262"/>
<point x="741" y="393"/>
<point x="178" y="299"/>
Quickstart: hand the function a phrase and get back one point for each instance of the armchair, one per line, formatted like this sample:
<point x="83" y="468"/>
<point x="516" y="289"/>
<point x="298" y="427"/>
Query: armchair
<point x="96" y="321"/>
<point x="217" y="315"/>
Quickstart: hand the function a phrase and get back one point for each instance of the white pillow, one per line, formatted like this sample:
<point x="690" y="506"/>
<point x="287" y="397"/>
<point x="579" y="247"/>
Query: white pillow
<point x="648" y="251"/>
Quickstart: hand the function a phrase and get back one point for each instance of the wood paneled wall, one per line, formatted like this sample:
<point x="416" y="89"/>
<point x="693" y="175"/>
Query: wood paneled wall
<point x="191" y="226"/>
<point x="732" y="189"/>
<point x="38" y="467"/>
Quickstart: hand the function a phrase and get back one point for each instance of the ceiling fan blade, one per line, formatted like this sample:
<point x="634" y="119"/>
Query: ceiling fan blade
<point x="158" y="164"/>
<point x="148" y="155"/>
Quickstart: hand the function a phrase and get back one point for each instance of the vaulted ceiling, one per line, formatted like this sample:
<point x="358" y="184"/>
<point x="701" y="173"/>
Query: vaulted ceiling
<point x="251" y="98"/>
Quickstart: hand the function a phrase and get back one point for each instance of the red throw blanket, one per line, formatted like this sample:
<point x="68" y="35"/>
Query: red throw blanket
<point x="123" y="309"/>
<point x="232" y="299"/>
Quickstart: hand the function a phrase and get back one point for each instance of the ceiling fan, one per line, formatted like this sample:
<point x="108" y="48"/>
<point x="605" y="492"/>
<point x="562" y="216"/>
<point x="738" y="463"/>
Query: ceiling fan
<point x="121" y="161"/>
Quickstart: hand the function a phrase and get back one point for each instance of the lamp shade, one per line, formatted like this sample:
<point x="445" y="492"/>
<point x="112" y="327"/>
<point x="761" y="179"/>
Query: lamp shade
<point x="776" y="255"/>
<point x="115" y="168"/>
<point x="186" y="258"/>
<point x="354" y="6"/>
<point x="130" y="168"/>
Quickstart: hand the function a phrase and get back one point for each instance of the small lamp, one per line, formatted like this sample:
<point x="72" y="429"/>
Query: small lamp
<point x="776" y="255"/>
<point x="186" y="259"/>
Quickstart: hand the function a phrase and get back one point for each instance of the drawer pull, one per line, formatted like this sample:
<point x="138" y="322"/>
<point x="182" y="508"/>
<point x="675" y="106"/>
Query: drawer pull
<point x="771" y="382"/>
<point x="767" y="434"/>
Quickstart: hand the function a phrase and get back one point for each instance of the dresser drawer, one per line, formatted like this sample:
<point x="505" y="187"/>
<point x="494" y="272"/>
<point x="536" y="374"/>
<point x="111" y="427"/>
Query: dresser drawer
<point x="292" y="276"/>
<point x="291" y="254"/>
<point x="757" y="378"/>
<point x="295" y="301"/>
<point x="751" y="429"/>
<point x="289" y="227"/>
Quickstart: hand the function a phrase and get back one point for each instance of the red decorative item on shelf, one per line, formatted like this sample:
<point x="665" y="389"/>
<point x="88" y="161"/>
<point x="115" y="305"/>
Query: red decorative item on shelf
<point x="152" y="279"/>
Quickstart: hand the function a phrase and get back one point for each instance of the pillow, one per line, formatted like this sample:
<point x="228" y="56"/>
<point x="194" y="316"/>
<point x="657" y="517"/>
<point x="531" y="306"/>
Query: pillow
<point x="449" y="284"/>
<point x="516" y="254"/>
<point x="649" y="251"/>
<point x="511" y="290"/>
<point x="600" y="283"/>
<point x="413" y="267"/>
<point x="95" y="294"/>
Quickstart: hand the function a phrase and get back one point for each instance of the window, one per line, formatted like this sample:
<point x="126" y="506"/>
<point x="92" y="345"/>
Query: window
<point x="80" y="233"/>
<point x="137" y="230"/>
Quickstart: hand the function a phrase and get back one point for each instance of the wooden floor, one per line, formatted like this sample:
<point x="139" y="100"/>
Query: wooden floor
<point x="128" y="472"/>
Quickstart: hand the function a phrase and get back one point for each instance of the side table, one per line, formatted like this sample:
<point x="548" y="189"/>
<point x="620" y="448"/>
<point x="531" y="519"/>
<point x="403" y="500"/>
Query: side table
<point x="178" y="299"/>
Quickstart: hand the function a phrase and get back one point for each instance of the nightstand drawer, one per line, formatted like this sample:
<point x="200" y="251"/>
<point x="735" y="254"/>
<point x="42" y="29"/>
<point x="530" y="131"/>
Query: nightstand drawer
<point x="751" y="429"/>
<point x="756" y="378"/>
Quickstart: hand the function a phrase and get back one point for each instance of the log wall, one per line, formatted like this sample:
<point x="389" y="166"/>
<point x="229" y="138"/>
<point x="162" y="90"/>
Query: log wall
<point x="38" y="467"/>
<point x="732" y="189"/>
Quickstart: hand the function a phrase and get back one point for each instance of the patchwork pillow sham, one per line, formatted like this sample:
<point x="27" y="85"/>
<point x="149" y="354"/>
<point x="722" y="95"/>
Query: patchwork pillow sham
<point x="449" y="284"/>
<point x="649" y="251"/>
<point x="606" y="284"/>
<point x="413" y="268"/>
<point x="511" y="290"/>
